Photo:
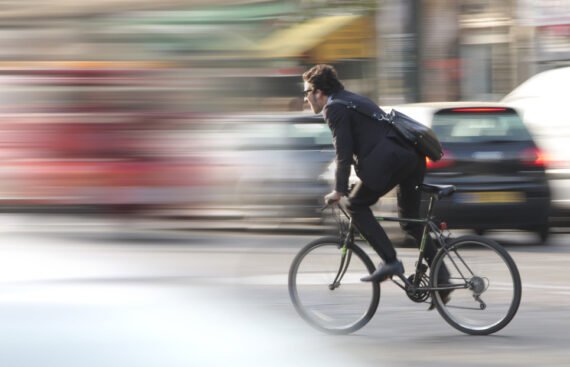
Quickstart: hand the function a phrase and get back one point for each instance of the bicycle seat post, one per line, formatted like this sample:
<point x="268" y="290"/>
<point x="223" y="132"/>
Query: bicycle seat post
<point x="432" y="198"/>
<point x="425" y="232"/>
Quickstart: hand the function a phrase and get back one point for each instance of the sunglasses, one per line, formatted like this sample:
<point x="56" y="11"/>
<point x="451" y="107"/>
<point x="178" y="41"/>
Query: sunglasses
<point x="306" y="92"/>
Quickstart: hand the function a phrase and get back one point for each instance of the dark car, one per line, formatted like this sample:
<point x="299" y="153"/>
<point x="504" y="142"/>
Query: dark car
<point x="492" y="159"/>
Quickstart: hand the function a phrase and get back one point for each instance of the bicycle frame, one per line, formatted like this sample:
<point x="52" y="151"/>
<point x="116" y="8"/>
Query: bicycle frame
<point x="429" y="226"/>
<point x="323" y="275"/>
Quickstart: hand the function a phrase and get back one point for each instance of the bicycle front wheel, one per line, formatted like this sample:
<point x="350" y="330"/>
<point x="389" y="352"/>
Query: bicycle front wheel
<point x="487" y="285"/>
<point x="325" y="286"/>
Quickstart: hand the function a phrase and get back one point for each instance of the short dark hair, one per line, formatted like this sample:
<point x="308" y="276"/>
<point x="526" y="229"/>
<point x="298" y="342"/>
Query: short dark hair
<point x="323" y="77"/>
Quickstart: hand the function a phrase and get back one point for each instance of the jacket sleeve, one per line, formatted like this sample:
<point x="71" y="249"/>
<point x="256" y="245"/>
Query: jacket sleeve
<point x="338" y="119"/>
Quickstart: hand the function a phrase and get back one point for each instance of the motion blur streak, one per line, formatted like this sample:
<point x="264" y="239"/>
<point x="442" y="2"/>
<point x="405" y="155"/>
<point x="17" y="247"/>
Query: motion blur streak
<point x="123" y="107"/>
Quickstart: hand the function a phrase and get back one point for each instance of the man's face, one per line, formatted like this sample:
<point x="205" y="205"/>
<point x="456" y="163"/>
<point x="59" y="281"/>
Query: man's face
<point x="315" y="97"/>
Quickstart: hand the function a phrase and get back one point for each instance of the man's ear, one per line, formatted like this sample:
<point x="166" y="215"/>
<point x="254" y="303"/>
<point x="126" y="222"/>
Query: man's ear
<point x="319" y="94"/>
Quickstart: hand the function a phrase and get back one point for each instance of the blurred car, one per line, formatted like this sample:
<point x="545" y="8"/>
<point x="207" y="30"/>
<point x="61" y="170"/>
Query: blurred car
<point x="84" y="135"/>
<point x="492" y="159"/>
<point x="268" y="165"/>
<point x="542" y="101"/>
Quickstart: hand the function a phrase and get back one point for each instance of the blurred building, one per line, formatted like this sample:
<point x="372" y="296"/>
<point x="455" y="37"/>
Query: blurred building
<point x="544" y="27"/>
<point x="394" y="50"/>
<point x="434" y="50"/>
<point x="116" y="102"/>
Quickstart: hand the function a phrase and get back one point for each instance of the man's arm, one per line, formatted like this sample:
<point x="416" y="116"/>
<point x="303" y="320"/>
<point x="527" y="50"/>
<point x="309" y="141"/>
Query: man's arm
<point x="338" y="119"/>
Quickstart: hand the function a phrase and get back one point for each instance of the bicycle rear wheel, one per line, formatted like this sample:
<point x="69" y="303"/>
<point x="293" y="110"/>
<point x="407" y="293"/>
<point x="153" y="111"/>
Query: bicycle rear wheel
<point x="336" y="309"/>
<point x="491" y="285"/>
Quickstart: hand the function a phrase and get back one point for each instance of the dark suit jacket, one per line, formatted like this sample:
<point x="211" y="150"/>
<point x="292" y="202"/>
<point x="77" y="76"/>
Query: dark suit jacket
<point x="380" y="155"/>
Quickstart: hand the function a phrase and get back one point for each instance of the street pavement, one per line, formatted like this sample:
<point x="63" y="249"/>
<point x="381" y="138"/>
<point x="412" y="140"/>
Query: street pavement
<point x="95" y="292"/>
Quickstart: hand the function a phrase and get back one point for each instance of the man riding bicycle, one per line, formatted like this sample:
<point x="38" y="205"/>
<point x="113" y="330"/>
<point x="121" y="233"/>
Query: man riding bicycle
<point x="382" y="160"/>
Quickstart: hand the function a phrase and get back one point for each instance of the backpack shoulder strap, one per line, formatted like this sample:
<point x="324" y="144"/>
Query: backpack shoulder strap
<point x="376" y="115"/>
<point x="348" y="104"/>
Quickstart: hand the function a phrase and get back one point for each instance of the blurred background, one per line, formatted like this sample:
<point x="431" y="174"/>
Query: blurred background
<point x="134" y="107"/>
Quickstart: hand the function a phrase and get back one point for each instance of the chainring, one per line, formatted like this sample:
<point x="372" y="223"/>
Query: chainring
<point x="419" y="295"/>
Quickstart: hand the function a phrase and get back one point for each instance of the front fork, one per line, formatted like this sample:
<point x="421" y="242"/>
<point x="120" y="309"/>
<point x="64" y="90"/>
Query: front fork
<point x="345" y="256"/>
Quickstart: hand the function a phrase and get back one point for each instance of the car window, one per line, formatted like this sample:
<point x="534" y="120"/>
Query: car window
<point x="261" y="136"/>
<point x="462" y="127"/>
<point x="282" y="136"/>
<point x="315" y="134"/>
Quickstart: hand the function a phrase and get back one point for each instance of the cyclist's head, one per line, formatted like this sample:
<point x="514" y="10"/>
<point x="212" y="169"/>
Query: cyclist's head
<point x="319" y="83"/>
<point x="324" y="78"/>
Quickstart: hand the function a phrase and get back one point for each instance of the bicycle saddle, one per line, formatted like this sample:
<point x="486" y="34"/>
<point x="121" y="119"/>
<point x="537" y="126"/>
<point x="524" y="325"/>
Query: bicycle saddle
<point x="439" y="190"/>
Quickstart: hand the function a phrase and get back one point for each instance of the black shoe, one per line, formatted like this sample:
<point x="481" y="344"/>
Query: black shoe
<point x="445" y="297"/>
<point x="385" y="271"/>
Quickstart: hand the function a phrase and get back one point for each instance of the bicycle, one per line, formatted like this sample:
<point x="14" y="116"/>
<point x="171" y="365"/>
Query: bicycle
<point x="325" y="287"/>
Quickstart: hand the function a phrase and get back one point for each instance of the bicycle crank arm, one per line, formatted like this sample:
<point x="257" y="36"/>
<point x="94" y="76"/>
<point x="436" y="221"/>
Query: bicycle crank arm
<point x="407" y="286"/>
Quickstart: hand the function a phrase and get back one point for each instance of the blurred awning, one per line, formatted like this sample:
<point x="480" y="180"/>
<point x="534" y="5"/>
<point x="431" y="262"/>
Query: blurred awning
<point x="322" y="39"/>
<point x="42" y="9"/>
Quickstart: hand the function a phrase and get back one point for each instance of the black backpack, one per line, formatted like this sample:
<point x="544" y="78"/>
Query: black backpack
<point x="417" y="134"/>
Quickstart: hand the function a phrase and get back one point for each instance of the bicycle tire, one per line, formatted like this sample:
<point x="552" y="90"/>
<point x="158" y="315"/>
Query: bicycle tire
<point x="336" y="311"/>
<point x="490" y="273"/>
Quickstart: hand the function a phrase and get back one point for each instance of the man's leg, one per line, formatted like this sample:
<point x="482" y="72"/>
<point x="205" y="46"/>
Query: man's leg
<point x="359" y="202"/>
<point x="409" y="200"/>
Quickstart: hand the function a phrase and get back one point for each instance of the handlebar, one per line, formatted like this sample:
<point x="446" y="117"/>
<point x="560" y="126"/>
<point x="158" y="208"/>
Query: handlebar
<point x="333" y="206"/>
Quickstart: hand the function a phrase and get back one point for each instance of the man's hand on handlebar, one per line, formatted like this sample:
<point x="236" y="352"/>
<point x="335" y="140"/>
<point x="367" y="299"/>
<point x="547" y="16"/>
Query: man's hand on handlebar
<point x="333" y="197"/>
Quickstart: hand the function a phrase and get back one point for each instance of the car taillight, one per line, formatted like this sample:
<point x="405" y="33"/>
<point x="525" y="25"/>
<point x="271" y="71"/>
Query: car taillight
<point x="533" y="157"/>
<point x="444" y="162"/>
<point x="480" y="109"/>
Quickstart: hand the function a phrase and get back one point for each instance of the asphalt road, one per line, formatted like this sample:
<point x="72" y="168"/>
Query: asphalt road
<point x="78" y="292"/>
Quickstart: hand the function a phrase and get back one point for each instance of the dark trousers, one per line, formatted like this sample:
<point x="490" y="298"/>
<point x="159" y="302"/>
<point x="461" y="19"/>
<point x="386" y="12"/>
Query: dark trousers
<point x="409" y="198"/>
